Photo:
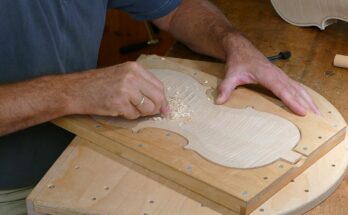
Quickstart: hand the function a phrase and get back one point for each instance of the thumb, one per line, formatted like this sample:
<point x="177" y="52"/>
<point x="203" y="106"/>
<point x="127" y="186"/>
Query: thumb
<point x="225" y="89"/>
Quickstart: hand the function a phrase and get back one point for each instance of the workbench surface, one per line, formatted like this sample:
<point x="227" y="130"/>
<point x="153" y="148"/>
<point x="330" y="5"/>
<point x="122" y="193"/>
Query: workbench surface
<point x="72" y="186"/>
<point x="312" y="51"/>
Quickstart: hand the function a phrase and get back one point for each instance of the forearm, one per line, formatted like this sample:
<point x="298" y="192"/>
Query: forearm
<point x="203" y="28"/>
<point x="111" y="91"/>
<point x="28" y="103"/>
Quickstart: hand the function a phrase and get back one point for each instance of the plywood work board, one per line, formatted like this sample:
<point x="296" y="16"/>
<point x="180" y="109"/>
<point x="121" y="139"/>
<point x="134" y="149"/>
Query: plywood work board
<point x="238" y="190"/>
<point x="87" y="179"/>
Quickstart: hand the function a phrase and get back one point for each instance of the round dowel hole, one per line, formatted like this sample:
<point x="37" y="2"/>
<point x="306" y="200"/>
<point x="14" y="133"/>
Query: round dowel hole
<point x="51" y="186"/>
<point x="189" y="168"/>
<point x="306" y="190"/>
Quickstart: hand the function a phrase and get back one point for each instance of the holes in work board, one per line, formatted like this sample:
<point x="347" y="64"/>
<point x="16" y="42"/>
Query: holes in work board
<point x="189" y="168"/>
<point x="51" y="186"/>
<point x="245" y="193"/>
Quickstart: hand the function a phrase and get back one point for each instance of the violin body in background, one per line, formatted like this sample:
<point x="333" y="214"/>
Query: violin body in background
<point x="319" y="13"/>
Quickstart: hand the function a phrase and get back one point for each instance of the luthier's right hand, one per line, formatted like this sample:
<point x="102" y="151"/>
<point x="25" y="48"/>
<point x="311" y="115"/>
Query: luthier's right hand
<point x="126" y="90"/>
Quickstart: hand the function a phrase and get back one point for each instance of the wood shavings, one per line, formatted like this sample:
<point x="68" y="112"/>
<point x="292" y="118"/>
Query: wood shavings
<point x="179" y="110"/>
<point x="157" y="118"/>
<point x="221" y="134"/>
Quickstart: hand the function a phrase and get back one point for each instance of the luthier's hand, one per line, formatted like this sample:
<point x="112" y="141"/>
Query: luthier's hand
<point x="246" y="65"/>
<point x="210" y="32"/>
<point x="126" y="90"/>
<point x="116" y="90"/>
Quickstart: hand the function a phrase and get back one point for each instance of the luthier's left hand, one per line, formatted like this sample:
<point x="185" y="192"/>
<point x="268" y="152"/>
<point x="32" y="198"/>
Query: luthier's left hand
<point x="246" y="65"/>
<point x="203" y="28"/>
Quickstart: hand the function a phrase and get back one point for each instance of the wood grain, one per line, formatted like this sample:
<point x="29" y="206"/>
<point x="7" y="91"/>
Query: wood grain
<point x="87" y="179"/>
<point x="313" y="52"/>
<point x="237" y="190"/>
<point x="320" y="13"/>
<point x="231" y="137"/>
<point x="311" y="63"/>
<point x="74" y="186"/>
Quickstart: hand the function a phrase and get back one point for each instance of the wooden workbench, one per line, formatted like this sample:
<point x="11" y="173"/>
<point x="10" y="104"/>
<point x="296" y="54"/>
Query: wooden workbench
<point x="311" y="63"/>
<point x="313" y="52"/>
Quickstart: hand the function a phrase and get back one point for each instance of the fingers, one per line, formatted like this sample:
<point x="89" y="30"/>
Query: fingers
<point x="153" y="95"/>
<point x="292" y="100"/>
<point x="153" y="89"/>
<point x="307" y="98"/>
<point x="145" y="85"/>
<point x="144" y="105"/>
<point x="129" y="111"/>
<point x="294" y="96"/>
<point x="234" y="77"/>
<point x="289" y="91"/>
<point x="225" y="89"/>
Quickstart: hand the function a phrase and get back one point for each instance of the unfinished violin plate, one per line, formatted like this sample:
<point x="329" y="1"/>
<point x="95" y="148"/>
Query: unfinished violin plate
<point x="320" y="13"/>
<point x="236" y="138"/>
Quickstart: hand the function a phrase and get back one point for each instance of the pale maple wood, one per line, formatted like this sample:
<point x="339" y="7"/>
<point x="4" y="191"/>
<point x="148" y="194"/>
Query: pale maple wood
<point x="341" y="61"/>
<point x="74" y="186"/>
<point x="236" y="138"/>
<point x="312" y="50"/>
<point x="87" y="179"/>
<point x="86" y="171"/>
<point x="237" y="190"/>
<point x="320" y="13"/>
